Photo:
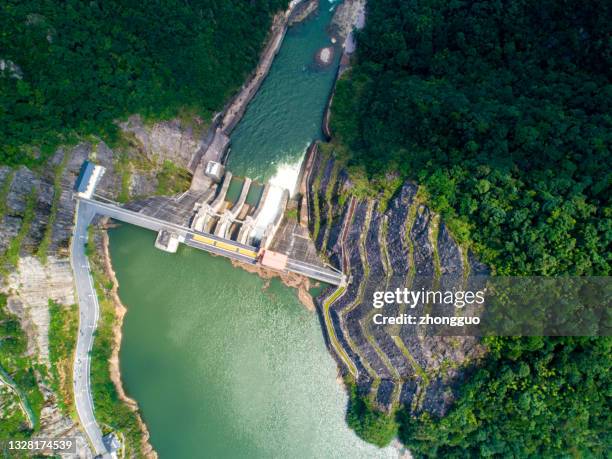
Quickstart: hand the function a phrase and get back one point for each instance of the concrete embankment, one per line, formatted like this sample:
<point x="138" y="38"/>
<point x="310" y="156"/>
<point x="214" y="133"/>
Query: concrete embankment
<point x="216" y="141"/>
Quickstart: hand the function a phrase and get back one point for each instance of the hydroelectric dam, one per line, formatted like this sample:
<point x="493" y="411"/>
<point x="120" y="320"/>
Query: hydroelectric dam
<point x="230" y="216"/>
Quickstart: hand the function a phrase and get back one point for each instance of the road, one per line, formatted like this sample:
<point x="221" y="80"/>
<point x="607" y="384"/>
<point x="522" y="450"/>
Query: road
<point x="224" y="247"/>
<point x="331" y="332"/>
<point x="315" y="272"/>
<point x="89" y="311"/>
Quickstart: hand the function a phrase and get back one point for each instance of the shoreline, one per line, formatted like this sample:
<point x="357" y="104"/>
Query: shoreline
<point x="222" y="124"/>
<point x="291" y="280"/>
<point x="295" y="13"/>
<point x="146" y="448"/>
<point x="217" y="135"/>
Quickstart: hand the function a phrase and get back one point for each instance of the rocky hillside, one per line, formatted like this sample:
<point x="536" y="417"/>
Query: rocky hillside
<point x="35" y="232"/>
<point x="36" y="216"/>
<point x="403" y="245"/>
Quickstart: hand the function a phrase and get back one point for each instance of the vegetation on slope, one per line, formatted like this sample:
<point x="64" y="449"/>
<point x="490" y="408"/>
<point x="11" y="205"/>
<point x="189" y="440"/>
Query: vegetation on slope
<point x="112" y="413"/>
<point x="368" y="422"/>
<point x="63" y="329"/>
<point x="172" y="179"/>
<point x="502" y="111"/>
<point x="536" y="397"/>
<point x="10" y="257"/>
<point x="72" y="68"/>
<point x="19" y="367"/>
<point x="43" y="247"/>
<point x="5" y="188"/>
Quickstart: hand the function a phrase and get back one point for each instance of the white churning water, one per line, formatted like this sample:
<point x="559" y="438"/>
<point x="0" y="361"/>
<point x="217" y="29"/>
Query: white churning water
<point x="285" y="178"/>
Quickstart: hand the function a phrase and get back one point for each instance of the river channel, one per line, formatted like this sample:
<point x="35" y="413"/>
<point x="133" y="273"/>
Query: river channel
<point x="222" y="364"/>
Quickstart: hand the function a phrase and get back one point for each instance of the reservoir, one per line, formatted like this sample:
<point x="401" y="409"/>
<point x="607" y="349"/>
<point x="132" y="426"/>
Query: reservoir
<point x="222" y="366"/>
<point x="221" y="362"/>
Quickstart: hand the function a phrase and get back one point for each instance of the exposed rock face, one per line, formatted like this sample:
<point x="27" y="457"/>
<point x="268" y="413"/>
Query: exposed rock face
<point x="55" y="425"/>
<point x="348" y="14"/>
<point x="165" y="140"/>
<point x="404" y="246"/>
<point x="302" y="11"/>
<point x="32" y="285"/>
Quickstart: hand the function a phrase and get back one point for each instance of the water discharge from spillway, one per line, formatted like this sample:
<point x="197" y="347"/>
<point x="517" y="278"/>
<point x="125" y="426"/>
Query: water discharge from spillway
<point x="222" y="363"/>
<point x="284" y="179"/>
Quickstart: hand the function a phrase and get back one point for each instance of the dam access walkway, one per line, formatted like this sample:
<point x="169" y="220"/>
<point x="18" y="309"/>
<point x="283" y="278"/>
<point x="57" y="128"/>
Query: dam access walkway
<point x="211" y="243"/>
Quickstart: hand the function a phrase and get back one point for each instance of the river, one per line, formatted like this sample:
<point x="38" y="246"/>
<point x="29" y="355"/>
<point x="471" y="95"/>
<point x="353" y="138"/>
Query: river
<point x="222" y="364"/>
<point x="285" y="115"/>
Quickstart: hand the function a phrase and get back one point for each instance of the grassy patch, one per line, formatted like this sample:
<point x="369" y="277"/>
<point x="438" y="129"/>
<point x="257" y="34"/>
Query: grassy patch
<point x="15" y="362"/>
<point x="63" y="329"/>
<point x="43" y="247"/>
<point x="10" y="258"/>
<point x="172" y="179"/>
<point x="316" y="185"/>
<point x="291" y="214"/>
<point x="123" y="168"/>
<point x="110" y="411"/>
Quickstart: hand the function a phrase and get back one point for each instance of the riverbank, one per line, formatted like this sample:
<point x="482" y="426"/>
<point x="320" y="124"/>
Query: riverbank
<point x="114" y="410"/>
<point x="217" y="141"/>
<point x="292" y="280"/>
<point x="351" y="14"/>
<point x="298" y="11"/>
<point x="115" y="371"/>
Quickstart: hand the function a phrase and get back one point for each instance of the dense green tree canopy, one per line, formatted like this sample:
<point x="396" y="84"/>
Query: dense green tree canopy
<point x="503" y="110"/>
<point x="368" y="422"/>
<point x="534" y="398"/>
<point x="73" y="67"/>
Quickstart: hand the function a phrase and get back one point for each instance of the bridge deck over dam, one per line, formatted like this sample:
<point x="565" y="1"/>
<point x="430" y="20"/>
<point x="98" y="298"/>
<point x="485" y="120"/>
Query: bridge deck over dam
<point x="230" y="216"/>
<point x="207" y="241"/>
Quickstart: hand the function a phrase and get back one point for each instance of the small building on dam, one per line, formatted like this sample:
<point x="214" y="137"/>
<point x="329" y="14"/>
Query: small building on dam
<point x="235" y="217"/>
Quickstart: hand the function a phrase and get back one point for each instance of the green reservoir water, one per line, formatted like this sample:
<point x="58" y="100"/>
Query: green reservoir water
<point x="221" y="365"/>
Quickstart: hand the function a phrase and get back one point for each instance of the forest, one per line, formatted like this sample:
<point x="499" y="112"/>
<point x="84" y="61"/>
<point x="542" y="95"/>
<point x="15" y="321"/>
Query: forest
<point x="70" y="69"/>
<point x="501" y="110"/>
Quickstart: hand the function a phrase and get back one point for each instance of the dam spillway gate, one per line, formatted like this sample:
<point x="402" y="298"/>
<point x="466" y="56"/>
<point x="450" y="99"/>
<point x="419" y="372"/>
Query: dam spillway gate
<point x="231" y="216"/>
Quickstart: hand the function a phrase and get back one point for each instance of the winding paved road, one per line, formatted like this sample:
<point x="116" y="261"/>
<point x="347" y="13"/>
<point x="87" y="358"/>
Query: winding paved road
<point x="89" y="309"/>
<point x="89" y="312"/>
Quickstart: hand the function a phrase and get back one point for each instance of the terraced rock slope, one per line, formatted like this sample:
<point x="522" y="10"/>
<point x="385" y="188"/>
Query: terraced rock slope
<point x="406" y="245"/>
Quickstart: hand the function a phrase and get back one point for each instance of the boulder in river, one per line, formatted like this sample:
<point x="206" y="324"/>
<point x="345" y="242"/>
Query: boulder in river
<point x="325" y="56"/>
